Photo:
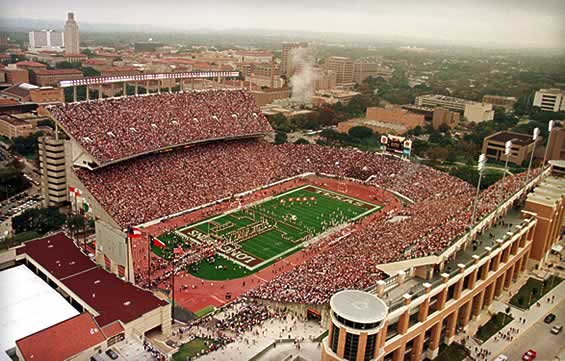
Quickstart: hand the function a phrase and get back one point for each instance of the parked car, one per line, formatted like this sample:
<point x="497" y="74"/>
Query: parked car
<point x="501" y="357"/>
<point x="112" y="354"/>
<point x="556" y="329"/>
<point x="529" y="355"/>
<point x="549" y="318"/>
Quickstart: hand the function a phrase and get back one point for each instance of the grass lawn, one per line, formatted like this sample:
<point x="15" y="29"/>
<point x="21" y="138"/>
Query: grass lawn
<point x="495" y="324"/>
<point x="190" y="349"/>
<point x="533" y="291"/>
<point x="266" y="232"/>
<point x="453" y="352"/>
<point x="294" y="215"/>
<point x="229" y="270"/>
<point x="204" y="311"/>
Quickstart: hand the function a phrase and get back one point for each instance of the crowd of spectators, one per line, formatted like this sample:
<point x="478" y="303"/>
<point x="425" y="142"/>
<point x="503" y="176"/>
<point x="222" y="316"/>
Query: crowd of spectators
<point x="117" y="128"/>
<point x="153" y="186"/>
<point x="424" y="228"/>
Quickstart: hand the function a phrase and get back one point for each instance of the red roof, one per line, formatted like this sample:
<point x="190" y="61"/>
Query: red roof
<point x="4" y="101"/>
<point x="74" y="55"/>
<point x="112" y="329"/>
<point x="112" y="298"/>
<point x="95" y="62"/>
<point x="63" y="340"/>
<point x="57" y="72"/>
<point x="58" y="255"/>
<point x="117" y="69"/>
<point x="30" y="64"/>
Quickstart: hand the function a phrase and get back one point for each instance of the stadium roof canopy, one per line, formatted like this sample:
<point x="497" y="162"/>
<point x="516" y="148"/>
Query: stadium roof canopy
<point x="28" y="305"/>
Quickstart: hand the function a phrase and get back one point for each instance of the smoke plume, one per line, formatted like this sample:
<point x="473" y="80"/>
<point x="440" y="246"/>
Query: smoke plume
<point x="303" y="75"/>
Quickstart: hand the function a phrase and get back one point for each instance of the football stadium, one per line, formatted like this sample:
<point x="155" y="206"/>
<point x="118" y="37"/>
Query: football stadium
<point x="193" y="204"/>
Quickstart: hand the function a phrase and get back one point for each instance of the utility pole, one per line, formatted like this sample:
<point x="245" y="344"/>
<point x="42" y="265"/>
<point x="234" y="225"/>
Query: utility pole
<point x="549" y="128"/>
<point x="535" y="136"/>
<point x="480" y="168"/>
<point x="507" y="152"/>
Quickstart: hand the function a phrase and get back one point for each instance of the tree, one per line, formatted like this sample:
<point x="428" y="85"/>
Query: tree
<point x="279" y="122"/>
<point x="360" y="132"/>
<point x="12" y="181"/>
<point x="87" y="52"/>
<point x="280" y="137"/>
<point x="26" y="146"/>
<point x="437" y="153"/>
<point x="41" y="220"/>
<point x="444" y="128"/>
<point x="301" y="141"/>
<point x="67" y="65"/>
<point x="89" y="71"/>
<point x="327" y="116"/>
<point x="75" y="223"/>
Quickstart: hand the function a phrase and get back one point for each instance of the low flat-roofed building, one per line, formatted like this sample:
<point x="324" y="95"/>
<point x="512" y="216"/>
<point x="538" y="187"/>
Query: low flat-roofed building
<point x="106" y="297"/>
<point x="472" y="111"/>
<point x="32" y="93"/>
<point x="12" y="127"/>
<point x="522" y="147"/>
<point x="30" y="305"/>
<point x="267" y="96"/>
<point x="333" y="96"/>
<point x="395" y="116"/>
<point x="15" y="76"/>
<point x="445" y="116"/>
<point x="51" y="77"/>
<point x="500" y="101"/>
<point x="64" y="341"/>
<point x="375" y="125"/>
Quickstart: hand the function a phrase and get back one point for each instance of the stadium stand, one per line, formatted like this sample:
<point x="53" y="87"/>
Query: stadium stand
<point x="153" y="186"/>
<point x="117" y="128"/>
<point x="186" y="178"/>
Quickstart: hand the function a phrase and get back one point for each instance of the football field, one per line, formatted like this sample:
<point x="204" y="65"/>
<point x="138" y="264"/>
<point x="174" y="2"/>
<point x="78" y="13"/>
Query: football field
<point x="257" y="235"/>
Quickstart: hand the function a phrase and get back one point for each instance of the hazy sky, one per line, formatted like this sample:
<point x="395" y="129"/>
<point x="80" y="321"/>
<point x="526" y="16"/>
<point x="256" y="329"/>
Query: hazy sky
<point x="539" y="23"/>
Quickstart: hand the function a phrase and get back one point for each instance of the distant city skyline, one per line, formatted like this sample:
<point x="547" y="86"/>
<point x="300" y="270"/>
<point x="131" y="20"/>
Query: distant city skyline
<point x="510" y="22"/>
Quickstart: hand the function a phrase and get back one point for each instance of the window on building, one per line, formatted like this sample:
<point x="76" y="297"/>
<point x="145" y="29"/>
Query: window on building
<point x="370" y="347"/>
<point x="335" y="338"/>
<point x="351" y="345"/>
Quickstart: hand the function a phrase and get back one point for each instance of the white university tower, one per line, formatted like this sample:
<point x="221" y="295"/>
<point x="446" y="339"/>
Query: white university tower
<point x="71" y="35"/>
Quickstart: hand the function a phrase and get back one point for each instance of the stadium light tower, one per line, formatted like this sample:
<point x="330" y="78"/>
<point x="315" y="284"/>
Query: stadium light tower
<point x="507" y="152"/>
<point x="480" y="168"/>
<point x="535" y="136"/>
<point x="549" y="128"/>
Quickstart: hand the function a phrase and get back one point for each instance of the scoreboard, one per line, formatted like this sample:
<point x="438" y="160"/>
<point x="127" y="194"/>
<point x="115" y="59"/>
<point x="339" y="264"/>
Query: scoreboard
<point x="396" y="144"/>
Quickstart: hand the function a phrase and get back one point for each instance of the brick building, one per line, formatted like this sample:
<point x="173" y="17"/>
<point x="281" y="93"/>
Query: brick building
<point x="51" y="77"/>
<point x="445" y="116"/>
<point x="522" y="147"/>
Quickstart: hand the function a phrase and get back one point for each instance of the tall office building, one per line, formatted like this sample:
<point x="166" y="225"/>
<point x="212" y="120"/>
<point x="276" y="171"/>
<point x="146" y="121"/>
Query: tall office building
<point x="71" y="35"/>
<point x="46" y="39"/>
<point x="286" y="57"/>
<point x="343" y="67"/>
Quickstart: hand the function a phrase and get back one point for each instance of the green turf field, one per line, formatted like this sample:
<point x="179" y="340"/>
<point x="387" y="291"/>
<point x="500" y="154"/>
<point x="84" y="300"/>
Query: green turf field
<point x="272" y="229"/>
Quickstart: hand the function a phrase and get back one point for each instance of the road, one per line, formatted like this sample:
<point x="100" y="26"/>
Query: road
<point x="538" y="337"/>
